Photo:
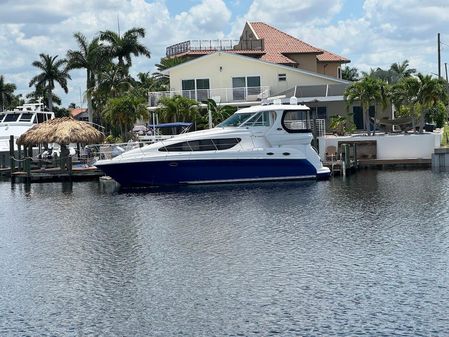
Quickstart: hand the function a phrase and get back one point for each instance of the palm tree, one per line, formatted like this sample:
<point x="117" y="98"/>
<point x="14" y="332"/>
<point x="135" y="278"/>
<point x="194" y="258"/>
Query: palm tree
<point x="350" y="74"/>
<point x="122" y="46"/>
<point x="38" y="93"/>
<point x="51" y="73"/>
<point x="399" y="71"/>
<point x="123" y="112"/>
<point x="113" y="81"/>
<point x="431" y="91"/>
<point x="177" y="107"/>
<point x="166" y="63"/>
<point x="92" y="57"/>
<point x="368" y="91"/>
<point x="218" y="113"/>
<point x="145" y="83"/>
<point x="6" y="93"/>
<point x="404" y="98"/>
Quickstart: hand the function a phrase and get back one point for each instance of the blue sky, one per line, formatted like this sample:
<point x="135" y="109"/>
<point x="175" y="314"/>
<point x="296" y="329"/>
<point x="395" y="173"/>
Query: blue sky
<point x="371" y="33"/>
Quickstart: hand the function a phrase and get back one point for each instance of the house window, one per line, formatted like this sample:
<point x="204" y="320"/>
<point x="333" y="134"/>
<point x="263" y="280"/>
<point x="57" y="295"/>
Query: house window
<point x="188" y="88"/>
<point x="338" y="72"/>
<point x="282" y="77"/>
<point x="196" y="89"/>
<point x="245" y="86"/>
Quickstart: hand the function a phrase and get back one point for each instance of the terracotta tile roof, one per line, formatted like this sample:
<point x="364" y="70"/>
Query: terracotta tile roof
<point x="327" y="56"/>
<point x="277" y="58"/>
<point x="75" y="112"/>
<point x="278" y="43"/>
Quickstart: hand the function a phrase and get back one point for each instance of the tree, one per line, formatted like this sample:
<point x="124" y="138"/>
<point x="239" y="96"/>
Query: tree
<point x="113" y="81"/>
<point x="218" y="112"/>
<point x="177" y="108"/>
<point x="368" y="91"/>
<point x="123" y="112"/>
<point x="7" y="96"/>
<point x="91" y="56"/>
<point x="342" y="125"/>
<point x="123" y="46"/>
<point x="431" y="91"/>
<point x="166" y="63"/>
<point x="39" y="93"/>
<point x="144" y="84"/>
<point x="53" y="70"/>
<point x="404" y="98"/>
<point x="350" y="74"/>
<point x="400" y="71"/>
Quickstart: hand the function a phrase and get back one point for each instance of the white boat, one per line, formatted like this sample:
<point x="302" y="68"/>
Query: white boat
<point x="18" y="121"/>
<point x="260" y="143"/>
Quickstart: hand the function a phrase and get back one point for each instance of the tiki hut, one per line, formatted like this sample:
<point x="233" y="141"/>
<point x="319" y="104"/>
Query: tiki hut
<point x="62" y="131"/>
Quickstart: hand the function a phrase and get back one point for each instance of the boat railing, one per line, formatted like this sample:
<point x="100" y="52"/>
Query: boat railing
<point x="109" y="151"/>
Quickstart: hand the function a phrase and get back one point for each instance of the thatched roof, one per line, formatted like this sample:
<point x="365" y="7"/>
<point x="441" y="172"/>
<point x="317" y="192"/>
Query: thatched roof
<point x="63" y="130"/>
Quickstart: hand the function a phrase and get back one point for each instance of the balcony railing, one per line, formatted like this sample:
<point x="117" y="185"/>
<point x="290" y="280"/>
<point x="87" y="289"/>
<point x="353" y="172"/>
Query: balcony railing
<point x="219" y="95"/>
<point x="217" y="45"/>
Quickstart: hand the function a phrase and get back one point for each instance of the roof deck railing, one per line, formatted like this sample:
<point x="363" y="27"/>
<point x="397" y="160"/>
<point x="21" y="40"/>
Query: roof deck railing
<point x="214" y="45"/>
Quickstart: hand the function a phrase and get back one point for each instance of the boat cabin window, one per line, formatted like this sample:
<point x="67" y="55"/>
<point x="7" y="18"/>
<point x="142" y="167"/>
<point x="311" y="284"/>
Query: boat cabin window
<point x="26" y="117"/>
<point x="11" y="118"/>
<point x="295" y="121"/>
<point x="42" y="117"/>
<point x="261" y="119"/>
<point x="236" y="119"/>
<point x="202" y="145"/>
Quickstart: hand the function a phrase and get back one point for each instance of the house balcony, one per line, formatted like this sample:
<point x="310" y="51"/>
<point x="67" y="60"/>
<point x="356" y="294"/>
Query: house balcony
<point x="214" y="45"/>
<point x="219" y="95"/>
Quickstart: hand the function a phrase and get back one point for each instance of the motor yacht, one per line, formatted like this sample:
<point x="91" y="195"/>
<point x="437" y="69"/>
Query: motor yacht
<point x="259" y="143"/>
<point x="18" y="121"/>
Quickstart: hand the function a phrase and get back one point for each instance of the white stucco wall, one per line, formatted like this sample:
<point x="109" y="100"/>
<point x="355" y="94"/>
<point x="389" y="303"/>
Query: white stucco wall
<point x="401" y="146"/>
<point x="235" y="66"/>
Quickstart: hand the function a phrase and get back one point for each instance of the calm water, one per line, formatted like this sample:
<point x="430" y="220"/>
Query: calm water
<point x="364" y="256"/>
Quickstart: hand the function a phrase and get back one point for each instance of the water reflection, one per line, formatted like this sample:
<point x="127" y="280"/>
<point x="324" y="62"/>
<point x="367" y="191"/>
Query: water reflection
<point x="366" y="255"/>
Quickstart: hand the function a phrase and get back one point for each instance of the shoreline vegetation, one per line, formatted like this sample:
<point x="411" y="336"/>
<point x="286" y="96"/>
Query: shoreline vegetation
<point x="116" y="100"/>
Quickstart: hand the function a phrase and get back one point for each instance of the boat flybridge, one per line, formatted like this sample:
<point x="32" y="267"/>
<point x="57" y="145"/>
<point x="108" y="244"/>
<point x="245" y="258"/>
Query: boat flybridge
<point x="18" y="121"/>
<point x="259" y="143"/>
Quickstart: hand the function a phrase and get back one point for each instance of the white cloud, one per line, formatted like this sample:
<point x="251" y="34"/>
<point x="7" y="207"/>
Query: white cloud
<point x="292" y="13"/>
<point x="387" y="31"/>
<point x="30" y="28"/>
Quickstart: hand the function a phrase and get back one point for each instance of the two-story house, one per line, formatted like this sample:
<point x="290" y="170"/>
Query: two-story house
<point x="265" y="62"/>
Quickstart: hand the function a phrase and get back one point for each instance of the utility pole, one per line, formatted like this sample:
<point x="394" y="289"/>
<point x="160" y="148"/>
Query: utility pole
<point x="439" y="56"/>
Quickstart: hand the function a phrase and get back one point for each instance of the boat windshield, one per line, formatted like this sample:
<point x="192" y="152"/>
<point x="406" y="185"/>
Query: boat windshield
<point x="12" y="117"/>
<point x="236" y="119"/>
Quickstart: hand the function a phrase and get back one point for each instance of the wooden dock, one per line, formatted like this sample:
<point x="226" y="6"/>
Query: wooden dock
<point x="56" y="174"/>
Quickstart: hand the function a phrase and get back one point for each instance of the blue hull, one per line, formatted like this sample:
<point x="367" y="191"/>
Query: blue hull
<point x="208" y="171"/>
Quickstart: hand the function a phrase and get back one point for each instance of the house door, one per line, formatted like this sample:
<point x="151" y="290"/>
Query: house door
<point x="358" y="117"/>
